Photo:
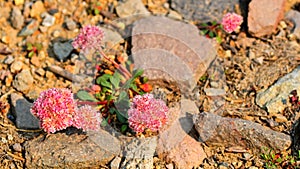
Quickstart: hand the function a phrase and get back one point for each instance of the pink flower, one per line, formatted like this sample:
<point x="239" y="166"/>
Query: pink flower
<point x="231" y="21"/>
<point x="55" y="108"/>
<point x="89" y="39"/>
<point x="146" y="112"/>
<point x="87" y="118"/>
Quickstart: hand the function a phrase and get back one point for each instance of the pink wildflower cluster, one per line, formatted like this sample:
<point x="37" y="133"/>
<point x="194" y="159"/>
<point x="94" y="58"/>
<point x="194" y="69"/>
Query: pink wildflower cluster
<point x="87" y="118"/>
<point x="146" y="112"/>
<point x="89" y="39"/>
<point x="231" y="21"/>
<point x="57" y="110"/>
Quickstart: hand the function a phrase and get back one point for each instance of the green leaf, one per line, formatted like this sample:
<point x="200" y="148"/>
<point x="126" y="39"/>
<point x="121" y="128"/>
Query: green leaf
<point x="112" y="110"/>
<point x="123" y="128"/>
<point x="38" y="46"/>
<point x="204" y="24"/>
<point x="104" y="122"/>
<point x="123" y="96"/>
<point x="204" y="32"/>
<point x="145" y="79"/>
<point x="103" y="80"/>
<point x="110" y="97"/>
<point x="29" y="46"/>
<point x="219" y="39"/>
<point x="84" y="95"/>
<point x="121" y="117"/>
<point x="134" y="87"/>
<point x="211" y="34"/>
<point x="115" y="80"/>
<point x="214" y="23"/>
<point x="138" y="73"/>
<point x="105" y="83"/>
<point x="96" y="11"/>
<point x="30" y="54"/>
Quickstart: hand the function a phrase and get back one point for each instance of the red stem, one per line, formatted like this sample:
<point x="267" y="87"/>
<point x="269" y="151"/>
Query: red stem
<point x="93" y="103"/>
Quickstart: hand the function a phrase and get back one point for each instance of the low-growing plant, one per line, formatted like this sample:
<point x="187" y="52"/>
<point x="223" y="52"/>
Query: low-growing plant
<point x="273" y="160"/>
<point x="118" y="94"/>
<point x="33" y="48"/>
<point x="230" y="22"/>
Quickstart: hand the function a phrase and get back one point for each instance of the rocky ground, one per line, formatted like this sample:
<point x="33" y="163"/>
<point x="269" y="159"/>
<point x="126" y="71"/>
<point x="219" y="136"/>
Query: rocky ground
<point x="237" y="114"/>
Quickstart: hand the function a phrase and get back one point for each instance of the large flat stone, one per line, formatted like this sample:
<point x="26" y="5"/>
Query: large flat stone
<point x="216" y="130"/>
<point x="264" y="16"/>
<point x="74" y="151"/>
<point x="171" y="50"/>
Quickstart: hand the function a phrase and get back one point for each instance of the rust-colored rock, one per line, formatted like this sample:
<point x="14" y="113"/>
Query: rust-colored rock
<point x="264" y="16"/>
<point x="174" y="143"/>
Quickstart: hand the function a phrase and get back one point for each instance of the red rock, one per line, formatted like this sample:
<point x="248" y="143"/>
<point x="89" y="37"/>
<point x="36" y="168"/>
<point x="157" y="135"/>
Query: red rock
<point x="264" y="16"/>
<point x="174" y="144"/>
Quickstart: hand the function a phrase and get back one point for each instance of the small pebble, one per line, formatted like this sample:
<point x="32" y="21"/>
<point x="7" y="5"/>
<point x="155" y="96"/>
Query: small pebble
<point x="170" y="166"/>
<point x="10" y="137"/>
<point x="56" y="33"/>
<point x="40" y="71"/>
<point x="35" y="61"/>
<point x="253" y="167"/>
<point x="70" y="24"/>
<point x="9" y="60"/>
<point x="16" y="66"/>
<point x="19" y="2"/>
<point x="247" y="156"/>
<point x="8" y="80"/>
<point x="17" y="147"/>
<point x="48" y="20"/>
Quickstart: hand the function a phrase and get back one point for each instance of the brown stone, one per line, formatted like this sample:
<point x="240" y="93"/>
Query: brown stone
<point x="264" y="16"/>
<point x="216" y="130"/>
<point x="71" y="151"/>
<point x="171" y="50"/>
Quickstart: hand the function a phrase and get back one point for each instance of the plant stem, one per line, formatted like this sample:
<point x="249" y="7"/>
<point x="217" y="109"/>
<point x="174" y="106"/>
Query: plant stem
<point x="93" y="103"/>
<point x="124" y="71"/>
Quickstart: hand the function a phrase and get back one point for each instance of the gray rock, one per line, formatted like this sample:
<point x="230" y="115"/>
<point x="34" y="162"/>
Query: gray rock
<point x="48" y="20"/>
<point x="204" y="11"/>
<point x="30" y="28"/>
<point x="21" y="111"/>
<point x="215" y="130"/>
<point x="275" y="98"/>
<point x="9" y="60"/>
<point x="264" y="16"/>
<point x="23" y="81"/>
<point x="17" y="19"/>
<point x="171" y="50"/>
<point x="130" y="8"/>
<point x="112" y="36"/>
<point x="174" y="143"/>
<point x="294" y="16"/>
<point x="70" y="24"/>
<point x="138" y="152"/>
<point x="62" y="50"/>
<point x="71" y="151"/>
